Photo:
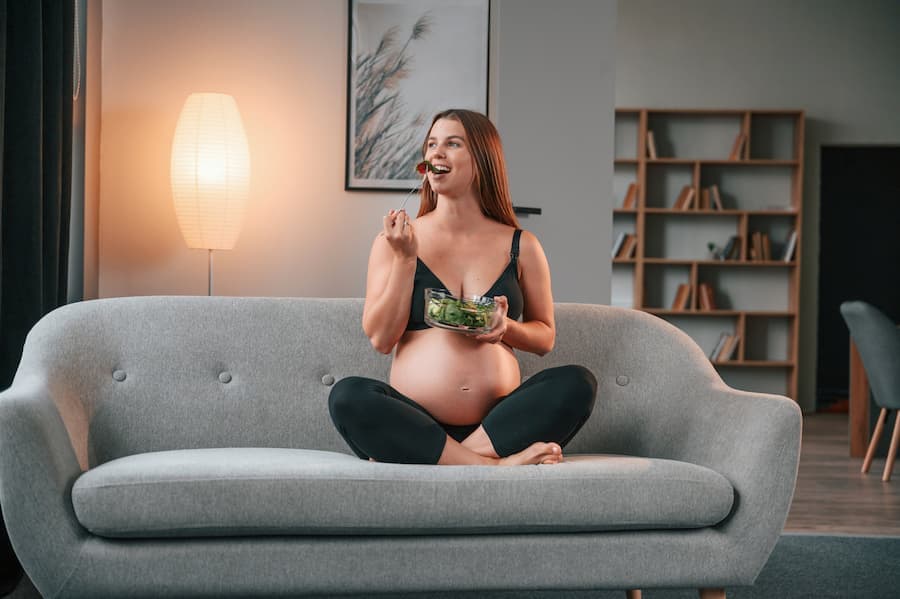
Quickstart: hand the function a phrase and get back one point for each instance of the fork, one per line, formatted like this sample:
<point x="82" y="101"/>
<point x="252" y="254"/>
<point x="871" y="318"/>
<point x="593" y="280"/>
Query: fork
<point x="411" y="191"/>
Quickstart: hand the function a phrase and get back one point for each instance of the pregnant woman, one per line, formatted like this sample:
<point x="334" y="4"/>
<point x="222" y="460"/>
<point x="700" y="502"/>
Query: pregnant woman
<point x="458" y="398"/>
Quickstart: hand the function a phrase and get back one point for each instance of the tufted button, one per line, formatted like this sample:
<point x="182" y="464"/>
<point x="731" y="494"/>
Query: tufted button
<point x="328" y="380"/>
<point x="224" y="377"/>
<point x="119" y="375"/>
<point x="621" y="380"/>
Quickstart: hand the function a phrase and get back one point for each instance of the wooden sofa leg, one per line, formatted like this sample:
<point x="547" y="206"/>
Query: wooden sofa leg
<point x="633" y="594"/>
<point x="712" y="593"/>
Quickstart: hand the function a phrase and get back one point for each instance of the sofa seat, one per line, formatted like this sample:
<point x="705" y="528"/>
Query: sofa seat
<point x="266" y="491"/>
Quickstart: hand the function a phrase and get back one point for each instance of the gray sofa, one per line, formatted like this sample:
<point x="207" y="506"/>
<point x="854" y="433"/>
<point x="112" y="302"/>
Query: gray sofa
<point x="181" y="446"/>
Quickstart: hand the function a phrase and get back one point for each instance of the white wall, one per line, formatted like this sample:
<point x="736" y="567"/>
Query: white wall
<point x="285" y="63"/>
<point x="837" y="60"/>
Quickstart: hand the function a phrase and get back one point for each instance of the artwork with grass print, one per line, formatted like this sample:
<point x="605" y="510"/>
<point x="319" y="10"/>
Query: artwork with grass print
<point x="407" y="61"/>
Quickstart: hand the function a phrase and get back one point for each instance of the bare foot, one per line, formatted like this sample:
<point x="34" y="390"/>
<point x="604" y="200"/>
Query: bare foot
<point x="537" y="453"/>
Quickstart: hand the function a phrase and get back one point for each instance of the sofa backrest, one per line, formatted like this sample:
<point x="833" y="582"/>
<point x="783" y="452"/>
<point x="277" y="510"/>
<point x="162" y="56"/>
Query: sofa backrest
<point x="132" y="375"/>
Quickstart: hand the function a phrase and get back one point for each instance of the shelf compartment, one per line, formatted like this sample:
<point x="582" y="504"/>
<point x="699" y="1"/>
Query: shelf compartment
<point x="777" y="227"/>
<point x="694" y="136"/>
<point x="766" y="188"/>
<point x="665" y="181"/>
<point x="773" y="136"/>
<point x="686" y="237"/>
<point x="767" y="339"/>
<point x="624" y="175"/>
<point x="624" y="223"/>
<point x="661" y="284"/>
<point x="748" y="289"/>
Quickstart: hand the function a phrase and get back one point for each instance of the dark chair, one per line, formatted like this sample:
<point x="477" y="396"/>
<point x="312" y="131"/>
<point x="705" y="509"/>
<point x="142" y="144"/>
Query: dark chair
<point x="878" y="341"/>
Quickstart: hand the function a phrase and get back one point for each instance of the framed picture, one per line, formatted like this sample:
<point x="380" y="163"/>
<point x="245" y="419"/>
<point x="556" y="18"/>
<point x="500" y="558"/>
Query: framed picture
<point x="407" y="61"/>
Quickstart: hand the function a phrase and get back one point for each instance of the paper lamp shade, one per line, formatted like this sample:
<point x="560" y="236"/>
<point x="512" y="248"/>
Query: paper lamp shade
<point x="210" y="171"/>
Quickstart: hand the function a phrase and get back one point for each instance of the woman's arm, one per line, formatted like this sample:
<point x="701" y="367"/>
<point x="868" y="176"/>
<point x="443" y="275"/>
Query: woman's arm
<point x="537" y="331"/>
<point x="389" y="283"/>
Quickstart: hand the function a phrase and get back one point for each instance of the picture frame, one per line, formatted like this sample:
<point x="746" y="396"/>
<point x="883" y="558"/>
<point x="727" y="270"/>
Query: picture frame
<point x="407" y="60"/>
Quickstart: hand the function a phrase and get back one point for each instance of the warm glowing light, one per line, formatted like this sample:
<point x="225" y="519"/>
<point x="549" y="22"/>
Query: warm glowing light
<point x="210" y="171"/>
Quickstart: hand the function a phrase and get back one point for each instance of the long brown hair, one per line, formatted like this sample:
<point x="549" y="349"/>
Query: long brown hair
<point x="490" y="166"/>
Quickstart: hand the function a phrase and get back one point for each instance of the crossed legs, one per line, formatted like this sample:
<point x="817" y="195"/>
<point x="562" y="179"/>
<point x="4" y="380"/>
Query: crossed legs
<point x="528" y="426"/>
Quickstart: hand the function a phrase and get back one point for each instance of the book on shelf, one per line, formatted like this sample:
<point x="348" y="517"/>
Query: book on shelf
<point x="704" y="200"/>
<point x="706" y="296"/>
<point x="627" y="247"/>
<point x="723" y="337"/>
<point x="684" y="199"/>
<point x="651" y="146"/>
<point x="731" y="352"/>
<point x="728" y="349"/>
<point x="630" y="201"/>
<point x="760" y="247"/>
<point x="716" y="197"/>
<point x="732" y="249"/>
<point x="617" y="244"/>
<point x="682" y="297"/>
<point x="790" y="247"/>
<point x="738" y="148"/>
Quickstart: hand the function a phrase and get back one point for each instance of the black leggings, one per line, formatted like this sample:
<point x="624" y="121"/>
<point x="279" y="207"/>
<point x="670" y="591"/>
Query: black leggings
<point x="378" y="421"/>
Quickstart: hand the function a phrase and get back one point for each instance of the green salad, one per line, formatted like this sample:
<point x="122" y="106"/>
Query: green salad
<point x="460" y="313"/>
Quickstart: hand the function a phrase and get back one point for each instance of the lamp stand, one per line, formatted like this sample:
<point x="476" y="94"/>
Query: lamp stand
<point x="210" y="273"/>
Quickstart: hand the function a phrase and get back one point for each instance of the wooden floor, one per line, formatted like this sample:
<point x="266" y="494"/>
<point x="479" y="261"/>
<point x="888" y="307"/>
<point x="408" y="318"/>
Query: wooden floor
<point x="832" y="496"/>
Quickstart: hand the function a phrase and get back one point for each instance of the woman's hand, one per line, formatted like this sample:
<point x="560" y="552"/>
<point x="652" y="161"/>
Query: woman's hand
<point x="398" y="232"/>
<point x="495" y="335"/>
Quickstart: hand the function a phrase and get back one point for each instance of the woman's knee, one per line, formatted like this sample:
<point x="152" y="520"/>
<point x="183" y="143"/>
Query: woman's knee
<point x="348" y="397"/>
<point x="580" y="388"/>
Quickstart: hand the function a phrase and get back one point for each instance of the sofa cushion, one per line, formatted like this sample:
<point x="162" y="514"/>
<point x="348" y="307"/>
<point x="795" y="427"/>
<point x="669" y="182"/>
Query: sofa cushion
<point x="253" y="491"/>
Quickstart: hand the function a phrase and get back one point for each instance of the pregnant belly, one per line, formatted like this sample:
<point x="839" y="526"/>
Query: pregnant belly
<point x="457" y="379"/>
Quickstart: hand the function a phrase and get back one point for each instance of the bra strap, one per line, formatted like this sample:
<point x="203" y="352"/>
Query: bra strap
<point x="514" y="252"/>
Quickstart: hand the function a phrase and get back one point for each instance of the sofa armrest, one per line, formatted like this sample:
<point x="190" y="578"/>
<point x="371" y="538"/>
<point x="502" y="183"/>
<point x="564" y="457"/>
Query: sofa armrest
<point x="659" y="396"/>
<point x="752" y="439"/>
<point x="38" y="467"/>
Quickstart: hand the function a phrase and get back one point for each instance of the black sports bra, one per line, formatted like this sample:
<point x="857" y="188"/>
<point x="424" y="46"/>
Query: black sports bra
<point x="506" y="284"/>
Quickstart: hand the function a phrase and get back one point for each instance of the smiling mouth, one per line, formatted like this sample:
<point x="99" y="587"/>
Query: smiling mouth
<point x="440" y="169"/>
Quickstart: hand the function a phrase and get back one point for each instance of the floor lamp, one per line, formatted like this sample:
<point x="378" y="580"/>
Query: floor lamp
<point x="210" y="173"/>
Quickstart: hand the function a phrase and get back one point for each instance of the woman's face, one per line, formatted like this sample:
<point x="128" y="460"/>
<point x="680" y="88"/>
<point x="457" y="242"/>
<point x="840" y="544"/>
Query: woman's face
<point x="447" y="148"/>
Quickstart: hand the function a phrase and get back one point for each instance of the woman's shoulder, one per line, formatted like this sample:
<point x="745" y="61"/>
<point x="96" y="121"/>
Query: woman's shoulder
<point x="529" y="239"/>
<point x="530" y="249"/>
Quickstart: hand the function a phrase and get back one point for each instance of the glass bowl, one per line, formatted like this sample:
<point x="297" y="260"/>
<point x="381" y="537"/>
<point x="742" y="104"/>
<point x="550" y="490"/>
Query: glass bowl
<point x="472" y="314"/>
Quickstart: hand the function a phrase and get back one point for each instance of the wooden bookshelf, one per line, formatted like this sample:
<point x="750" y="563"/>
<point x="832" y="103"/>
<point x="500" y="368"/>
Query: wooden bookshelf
<point x="752" y="160"/>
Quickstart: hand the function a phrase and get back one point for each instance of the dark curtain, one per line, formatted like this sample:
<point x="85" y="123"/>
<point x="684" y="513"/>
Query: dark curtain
<point x="36" y="161"/>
